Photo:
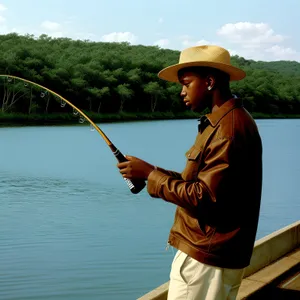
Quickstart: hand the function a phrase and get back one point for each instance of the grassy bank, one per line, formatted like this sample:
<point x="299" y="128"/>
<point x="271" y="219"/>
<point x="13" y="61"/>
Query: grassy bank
<point x="14" y="119"/>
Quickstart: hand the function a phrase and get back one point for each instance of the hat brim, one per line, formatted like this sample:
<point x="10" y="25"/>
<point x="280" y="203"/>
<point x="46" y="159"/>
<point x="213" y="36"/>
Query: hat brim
<point x="171" y="73"/>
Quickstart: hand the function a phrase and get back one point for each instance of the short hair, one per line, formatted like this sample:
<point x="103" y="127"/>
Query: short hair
<point x="203" y="72"/>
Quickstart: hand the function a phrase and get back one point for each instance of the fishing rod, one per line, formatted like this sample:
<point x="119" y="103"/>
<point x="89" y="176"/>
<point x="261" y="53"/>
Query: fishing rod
<point x="135" y="186"/>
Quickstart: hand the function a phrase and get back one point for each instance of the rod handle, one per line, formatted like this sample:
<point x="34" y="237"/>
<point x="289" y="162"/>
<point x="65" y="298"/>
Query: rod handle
<point x="135" y="185"/>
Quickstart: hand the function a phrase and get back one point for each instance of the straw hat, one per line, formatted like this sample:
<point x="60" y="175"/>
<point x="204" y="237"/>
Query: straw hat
<point x="203" y="56"/>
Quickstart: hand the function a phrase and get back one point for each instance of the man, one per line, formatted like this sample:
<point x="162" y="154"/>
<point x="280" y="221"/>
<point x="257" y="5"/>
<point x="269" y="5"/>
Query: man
<point x="218" y="193"/>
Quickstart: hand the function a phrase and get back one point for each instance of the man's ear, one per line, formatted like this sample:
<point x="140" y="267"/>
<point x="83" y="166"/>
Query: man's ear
<point x="210" y="82"/>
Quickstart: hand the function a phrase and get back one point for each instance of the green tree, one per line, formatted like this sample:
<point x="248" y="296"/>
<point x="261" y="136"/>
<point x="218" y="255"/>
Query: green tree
<point x="155" y="91"/>
<point x="125" y="93"/>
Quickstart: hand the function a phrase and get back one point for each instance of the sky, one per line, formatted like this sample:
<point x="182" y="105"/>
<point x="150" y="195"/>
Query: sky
<point x="257" y="29"/>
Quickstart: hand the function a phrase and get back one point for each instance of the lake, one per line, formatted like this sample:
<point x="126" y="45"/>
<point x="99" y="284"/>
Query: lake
<point x="71" y="229"/>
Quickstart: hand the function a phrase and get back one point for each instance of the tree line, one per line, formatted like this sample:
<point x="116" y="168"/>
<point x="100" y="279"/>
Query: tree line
<point x="114" y="78"/>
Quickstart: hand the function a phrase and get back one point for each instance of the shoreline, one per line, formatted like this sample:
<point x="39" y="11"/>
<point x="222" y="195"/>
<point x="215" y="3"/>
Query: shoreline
<point x="13" y="119"/>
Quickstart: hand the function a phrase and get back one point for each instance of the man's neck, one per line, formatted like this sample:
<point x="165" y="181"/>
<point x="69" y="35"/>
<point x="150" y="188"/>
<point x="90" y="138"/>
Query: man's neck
<point x="219" y="99"/>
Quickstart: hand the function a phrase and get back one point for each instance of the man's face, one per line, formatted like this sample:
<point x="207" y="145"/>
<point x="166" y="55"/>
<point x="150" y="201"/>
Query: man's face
<point x="194" y="91"/>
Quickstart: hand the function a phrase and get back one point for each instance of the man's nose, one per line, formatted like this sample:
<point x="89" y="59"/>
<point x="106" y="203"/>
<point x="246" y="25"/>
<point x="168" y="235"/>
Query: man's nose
<point x="183" y="92"/>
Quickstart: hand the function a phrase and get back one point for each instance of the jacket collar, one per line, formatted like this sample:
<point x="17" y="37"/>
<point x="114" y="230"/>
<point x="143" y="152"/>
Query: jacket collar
<point x="215" y="117"/>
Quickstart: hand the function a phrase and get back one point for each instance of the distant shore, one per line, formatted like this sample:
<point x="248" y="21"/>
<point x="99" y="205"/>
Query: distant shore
<point x="13" y="119"/>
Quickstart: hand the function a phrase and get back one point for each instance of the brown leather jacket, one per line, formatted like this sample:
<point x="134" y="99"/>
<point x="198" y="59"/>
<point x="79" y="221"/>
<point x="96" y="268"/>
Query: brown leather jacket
<point x="218" y="193"/>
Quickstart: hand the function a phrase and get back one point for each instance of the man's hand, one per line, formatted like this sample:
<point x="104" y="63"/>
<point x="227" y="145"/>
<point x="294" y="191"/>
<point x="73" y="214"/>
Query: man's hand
<point x="135" y="168"/>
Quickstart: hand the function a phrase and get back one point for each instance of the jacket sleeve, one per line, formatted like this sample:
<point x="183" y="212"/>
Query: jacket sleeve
<point x="170" y="173"/>
<point x="210" y="182"/>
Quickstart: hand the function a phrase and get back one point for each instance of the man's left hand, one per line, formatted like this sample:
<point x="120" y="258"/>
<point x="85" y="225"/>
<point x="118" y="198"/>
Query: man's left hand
<point x="135" y="168"/>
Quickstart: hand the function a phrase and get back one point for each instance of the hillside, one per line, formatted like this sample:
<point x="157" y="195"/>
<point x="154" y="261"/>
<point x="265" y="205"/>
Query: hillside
<point x="113" y="78"/>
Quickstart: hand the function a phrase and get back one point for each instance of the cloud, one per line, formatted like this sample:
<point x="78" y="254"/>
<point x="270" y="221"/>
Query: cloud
<point x="203" y="42"/>
<point x="162" y="43"/>
<point x="52" y="29"/>
<point x="2" y="19"/>
<point x="282" y="53"/>
<point x="120" y="37"/>
<point x="250" y="34"/>
<point x="2" y="7"/>
<point x="160" y="20"/>
<point x="232" y="52"/>
<point x="51" y="26"/>
<point x="188" y="41"/>
<point x="257" y="41"/>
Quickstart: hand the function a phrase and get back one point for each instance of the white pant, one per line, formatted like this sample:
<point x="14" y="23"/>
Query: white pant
<point x="192" y="280"/>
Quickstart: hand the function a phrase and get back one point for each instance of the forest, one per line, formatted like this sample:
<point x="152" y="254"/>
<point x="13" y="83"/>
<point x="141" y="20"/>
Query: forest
<point x="118" y="81"/>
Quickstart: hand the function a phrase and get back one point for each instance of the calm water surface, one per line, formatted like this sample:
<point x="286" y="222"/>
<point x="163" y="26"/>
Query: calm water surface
<point x="71" y="229"/>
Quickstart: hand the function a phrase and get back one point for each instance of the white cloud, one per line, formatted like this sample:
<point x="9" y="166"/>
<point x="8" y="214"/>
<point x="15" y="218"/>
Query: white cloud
<point x="281" y="53"/>
<point x="257" y="41"/>
<point x="162" y="43"/>
<point x="160" y="20"/>
<point x="188" y="41"/>
<point x="203" y="42"/>
<point x="2" y="19"/>
<point x="51" y="26"/>
<point x="52" y="29"/>
<point x="2" y="7"/>
<point x="250" y="34"/>
<point x="120" y="37"/>
<point x="232" y="52"/>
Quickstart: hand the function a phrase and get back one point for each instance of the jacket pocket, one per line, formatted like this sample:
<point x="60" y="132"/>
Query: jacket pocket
<point x="193" y="154"/>
<point x="190" y="172"/>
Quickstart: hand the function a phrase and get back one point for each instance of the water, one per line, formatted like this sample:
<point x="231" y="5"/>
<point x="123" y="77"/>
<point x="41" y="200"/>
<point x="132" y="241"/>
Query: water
<point x="71" y="229"/>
